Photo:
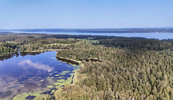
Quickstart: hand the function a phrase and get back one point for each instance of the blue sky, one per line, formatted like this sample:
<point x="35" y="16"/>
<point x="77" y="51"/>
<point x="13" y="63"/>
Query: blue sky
<point x="29" y="14"/>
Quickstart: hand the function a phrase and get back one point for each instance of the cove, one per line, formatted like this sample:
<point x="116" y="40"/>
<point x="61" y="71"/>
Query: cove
<point x="32" y="75"/>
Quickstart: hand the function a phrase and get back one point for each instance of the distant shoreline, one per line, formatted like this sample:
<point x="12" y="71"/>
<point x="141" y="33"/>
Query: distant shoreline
<point x="97" y="30"/>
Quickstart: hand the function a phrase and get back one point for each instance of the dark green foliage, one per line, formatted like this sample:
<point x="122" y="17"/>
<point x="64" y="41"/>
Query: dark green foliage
<point x="131" y="73"/>
<point x="146" y="44"/>
<point x="6" y="48"/>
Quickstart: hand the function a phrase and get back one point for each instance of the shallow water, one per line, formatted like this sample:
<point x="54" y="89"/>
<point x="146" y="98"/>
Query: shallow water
<point x="31" y="73"/>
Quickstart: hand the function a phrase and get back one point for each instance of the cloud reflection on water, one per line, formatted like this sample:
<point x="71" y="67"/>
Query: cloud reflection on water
<point x="36" y="65"/>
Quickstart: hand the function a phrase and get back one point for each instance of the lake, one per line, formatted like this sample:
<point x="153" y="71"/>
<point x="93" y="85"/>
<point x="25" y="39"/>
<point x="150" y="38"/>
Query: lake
<point x="159" y="36"/>
<point x="32" y="74"/>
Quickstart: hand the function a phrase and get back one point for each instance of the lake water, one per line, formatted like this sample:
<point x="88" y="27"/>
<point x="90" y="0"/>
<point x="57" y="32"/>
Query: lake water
<point x="159" y="36"/>
<point x="33" y="73"/>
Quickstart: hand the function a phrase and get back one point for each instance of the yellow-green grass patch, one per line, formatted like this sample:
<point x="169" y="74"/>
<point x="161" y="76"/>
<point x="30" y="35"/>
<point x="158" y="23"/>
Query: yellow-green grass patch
<point x="24" y="95"/>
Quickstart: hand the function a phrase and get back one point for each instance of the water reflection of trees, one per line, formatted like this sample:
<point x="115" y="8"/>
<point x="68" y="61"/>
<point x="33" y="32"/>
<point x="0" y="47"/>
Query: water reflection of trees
<point x="2" y="58"/>
<point x="29" y="53"/>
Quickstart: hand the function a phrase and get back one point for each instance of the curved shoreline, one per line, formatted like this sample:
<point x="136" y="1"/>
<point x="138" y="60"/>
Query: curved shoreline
<point x="77" y="62"/>
<point x="68" y="60"/>
<point x="75" y="80"/>
<point x="61" y="83"/>
<point x="75" y="76"/>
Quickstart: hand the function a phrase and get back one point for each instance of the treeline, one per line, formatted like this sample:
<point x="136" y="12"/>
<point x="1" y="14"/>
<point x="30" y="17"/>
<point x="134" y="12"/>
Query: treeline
<point x="48" y="43"/>
<point x="30" y="42"/>
<point x="16" y="54"/>
<point x="123" y="75"/>
<point x="10" y="43"/>
<point x="54" y="40"/>
<point x="132" y="43"/>
<point x="26" y="37"/>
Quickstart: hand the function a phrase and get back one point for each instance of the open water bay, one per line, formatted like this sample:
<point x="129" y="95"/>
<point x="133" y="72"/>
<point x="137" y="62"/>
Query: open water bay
<point x="33" y="74"/>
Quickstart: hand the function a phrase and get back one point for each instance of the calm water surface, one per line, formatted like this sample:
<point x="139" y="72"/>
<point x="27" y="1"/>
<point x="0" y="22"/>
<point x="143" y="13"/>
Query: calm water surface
<point x="31" y="72"/>
<point x="159" y="36"/>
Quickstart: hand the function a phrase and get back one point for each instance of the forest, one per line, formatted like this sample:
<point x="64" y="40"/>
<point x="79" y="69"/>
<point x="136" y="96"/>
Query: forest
<point x="123" y="69"/>
<point x="124" y="74"/>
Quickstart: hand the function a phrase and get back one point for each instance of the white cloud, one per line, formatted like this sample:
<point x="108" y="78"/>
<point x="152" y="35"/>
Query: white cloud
<point x="1" y="63"/>
<point x="37" y="65"/>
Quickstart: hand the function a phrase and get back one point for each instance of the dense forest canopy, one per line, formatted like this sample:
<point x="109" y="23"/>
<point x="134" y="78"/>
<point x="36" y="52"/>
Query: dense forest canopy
<point x="124" y="74"/>
<point x="115" y="68"/>
<point x="149" y="44"/>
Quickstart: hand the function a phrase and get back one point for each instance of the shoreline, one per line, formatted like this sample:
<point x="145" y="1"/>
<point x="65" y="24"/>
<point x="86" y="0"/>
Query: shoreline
<point x="78" y="61"/>
<point x="46" y="50"/>
<point x="42" y="50"/>
<point x="69" y="60"/>
<point x="75" y="77"/>
<point x="73" y="81"/>
<point x="9" y="54"/>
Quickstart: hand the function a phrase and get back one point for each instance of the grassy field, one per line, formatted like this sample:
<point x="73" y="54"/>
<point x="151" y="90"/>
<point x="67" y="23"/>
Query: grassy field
<point x="93" y="41"/>
<point x="58" y="44"/>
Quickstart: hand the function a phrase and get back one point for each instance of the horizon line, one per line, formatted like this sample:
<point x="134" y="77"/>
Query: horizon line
<point x="89" y="28"/>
